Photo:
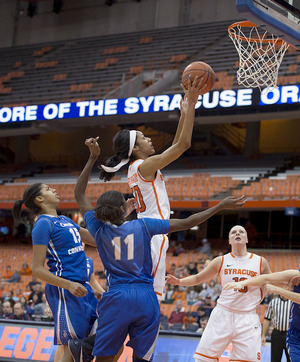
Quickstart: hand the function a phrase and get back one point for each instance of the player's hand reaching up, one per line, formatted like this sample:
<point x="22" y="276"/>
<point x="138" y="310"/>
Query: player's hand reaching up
<point x="232" y="202"/>
<point x="93" y="146"/>
<point x="130" y="206"/>
<point x="193" y="90"/>
<point x="171" y="279"/>
<point x="77" y="289"/>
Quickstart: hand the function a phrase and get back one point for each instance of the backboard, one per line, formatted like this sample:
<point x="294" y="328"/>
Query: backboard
<point x="278" y="17"/>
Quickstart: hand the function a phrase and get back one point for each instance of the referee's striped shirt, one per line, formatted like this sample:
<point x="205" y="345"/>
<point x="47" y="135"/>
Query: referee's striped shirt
<point x="278" y="313"/>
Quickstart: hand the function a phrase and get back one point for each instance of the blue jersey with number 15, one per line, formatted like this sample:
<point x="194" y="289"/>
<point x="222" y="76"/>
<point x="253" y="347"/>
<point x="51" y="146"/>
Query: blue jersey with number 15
<point x="65" y="253"/>
<point x="125" y="250"/>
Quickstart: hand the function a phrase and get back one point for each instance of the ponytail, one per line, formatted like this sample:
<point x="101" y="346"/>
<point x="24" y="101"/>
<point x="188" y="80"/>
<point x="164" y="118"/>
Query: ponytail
<point x="123" y="144"/>
<point x="17" y="211"/>
<point x="111" y="162"/>
<point x="29" y="200"/>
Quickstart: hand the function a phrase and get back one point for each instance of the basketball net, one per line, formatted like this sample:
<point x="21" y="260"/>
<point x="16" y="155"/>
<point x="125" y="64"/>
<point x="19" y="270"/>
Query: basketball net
<point x="260" y="55"/>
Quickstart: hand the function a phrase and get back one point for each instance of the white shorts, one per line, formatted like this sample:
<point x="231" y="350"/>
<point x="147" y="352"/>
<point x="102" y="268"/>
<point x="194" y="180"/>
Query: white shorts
<point x="223" y="328"/>
<point x="159" y="247"/>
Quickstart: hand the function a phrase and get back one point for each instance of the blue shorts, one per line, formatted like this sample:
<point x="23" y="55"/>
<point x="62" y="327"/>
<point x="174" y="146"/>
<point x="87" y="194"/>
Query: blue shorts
<point x="127" y="309"/>
<point x="293" y="345"/>
<point x="73" y="316"/>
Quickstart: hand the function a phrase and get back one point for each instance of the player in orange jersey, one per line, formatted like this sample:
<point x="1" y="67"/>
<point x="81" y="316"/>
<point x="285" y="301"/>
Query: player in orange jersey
<point x="234" y="319"/>
<point x="145" y="178"/>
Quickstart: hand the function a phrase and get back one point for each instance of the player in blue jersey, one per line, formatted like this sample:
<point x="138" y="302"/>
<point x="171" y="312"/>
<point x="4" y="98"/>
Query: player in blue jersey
<point x="59" y="240"/>
<point x="74" y="345"/>
<point x="81" y="354"/>
<point x="130" y="305"/>
<point x="284" y="281"/>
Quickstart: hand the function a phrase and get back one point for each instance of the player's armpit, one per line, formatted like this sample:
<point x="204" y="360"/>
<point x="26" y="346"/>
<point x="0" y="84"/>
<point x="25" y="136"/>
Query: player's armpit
<point x="265" y="268"/>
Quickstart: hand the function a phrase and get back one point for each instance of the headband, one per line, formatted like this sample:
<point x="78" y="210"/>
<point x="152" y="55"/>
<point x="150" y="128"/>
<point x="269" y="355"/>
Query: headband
<point x="132" y="135"/>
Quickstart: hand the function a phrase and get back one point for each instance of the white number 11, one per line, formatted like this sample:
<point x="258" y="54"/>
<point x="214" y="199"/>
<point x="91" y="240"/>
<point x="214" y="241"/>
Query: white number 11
<point x="129" y="241"/>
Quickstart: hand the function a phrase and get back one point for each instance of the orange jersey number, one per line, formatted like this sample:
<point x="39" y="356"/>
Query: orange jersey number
<point x="139" y="199"/>
<point x="244" y="289"/>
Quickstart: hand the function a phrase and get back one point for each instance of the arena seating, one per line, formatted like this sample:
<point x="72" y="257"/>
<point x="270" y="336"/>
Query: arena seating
<point x="98" y="66"/>
<point x="284" y="185"/>
<point x="255" y="182"/>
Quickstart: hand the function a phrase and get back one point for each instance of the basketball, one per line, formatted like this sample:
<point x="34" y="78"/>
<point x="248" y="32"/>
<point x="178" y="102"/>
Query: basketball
<point x="202" y="70"/>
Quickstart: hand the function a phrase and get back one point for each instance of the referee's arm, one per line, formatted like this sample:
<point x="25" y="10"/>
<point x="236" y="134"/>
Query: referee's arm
<point x="266" y="322"/>
<point x="265" y="327"/>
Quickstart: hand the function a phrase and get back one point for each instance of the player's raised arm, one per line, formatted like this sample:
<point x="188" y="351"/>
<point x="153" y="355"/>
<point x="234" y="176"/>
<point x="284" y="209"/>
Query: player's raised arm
<point x="229" y="202"/>
<point x="158" y="162"/>
<point x="83" y="202"/>
<point x="180" y="123"/>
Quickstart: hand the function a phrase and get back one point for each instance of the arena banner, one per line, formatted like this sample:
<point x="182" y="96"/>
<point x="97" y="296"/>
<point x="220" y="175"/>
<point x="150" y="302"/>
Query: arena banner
<point x="25" y="342"/>
<point x="289" y="94"/>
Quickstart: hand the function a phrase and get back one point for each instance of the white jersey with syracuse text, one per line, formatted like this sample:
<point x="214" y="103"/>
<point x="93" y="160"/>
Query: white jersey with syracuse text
<point x="235" y="269"/>
<point x="151" y="196"/>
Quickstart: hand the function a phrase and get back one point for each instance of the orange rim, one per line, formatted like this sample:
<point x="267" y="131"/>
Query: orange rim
<point x="249" y="24"/>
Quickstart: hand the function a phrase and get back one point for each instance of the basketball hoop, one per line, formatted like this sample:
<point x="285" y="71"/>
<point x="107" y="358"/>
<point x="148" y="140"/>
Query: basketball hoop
<point x="260" y="55"/>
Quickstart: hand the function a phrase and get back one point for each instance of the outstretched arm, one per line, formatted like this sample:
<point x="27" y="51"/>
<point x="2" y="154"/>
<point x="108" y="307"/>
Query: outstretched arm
<point x="181" y="119"/>
<point x="83" y="202"/>
<point x="205" y="275"/>
<point x="198" y="218"/>
<point x="294" y="297"/>
<point x="273" y="278"/>
<point x="158" y="162"/>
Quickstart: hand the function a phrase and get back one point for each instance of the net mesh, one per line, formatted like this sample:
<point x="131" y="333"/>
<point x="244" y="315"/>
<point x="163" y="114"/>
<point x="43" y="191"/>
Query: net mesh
<point x="260" y="55"/>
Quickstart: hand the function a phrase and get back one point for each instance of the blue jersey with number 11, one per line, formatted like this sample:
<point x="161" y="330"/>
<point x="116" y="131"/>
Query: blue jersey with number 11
<point x="125" y="250"/>
<point x="65" y="253"/>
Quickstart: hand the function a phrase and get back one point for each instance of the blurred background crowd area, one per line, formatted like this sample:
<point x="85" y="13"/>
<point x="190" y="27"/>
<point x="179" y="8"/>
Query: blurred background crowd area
<point x="182" y="308"/>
